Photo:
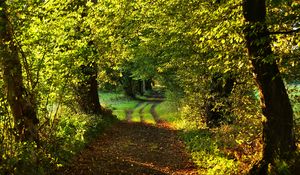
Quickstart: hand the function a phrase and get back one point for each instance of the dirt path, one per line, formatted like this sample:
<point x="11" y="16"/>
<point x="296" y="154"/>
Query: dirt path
<point x="130" y="148"/>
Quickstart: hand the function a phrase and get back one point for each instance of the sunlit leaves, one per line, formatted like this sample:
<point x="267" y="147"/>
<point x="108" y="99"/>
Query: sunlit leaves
<point x="280" y="2"/>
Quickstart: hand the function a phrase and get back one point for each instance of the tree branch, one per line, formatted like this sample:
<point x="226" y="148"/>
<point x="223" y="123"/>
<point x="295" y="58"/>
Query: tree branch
<point x="284" y="32"/>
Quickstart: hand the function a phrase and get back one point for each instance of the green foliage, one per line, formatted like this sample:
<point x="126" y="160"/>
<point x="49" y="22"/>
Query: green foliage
<point x="179" y="43"/>
<point x="73" y="131"/>
<point x="294" y="94"/>
<point x="168" y="111"/>
<point x="207" y="155"/>
<point x="59" y="141"/>
<point x="281" y="168"/>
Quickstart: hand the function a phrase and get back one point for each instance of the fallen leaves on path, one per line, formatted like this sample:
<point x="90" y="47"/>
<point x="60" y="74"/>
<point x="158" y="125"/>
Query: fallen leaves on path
<point x="130" y="148"/>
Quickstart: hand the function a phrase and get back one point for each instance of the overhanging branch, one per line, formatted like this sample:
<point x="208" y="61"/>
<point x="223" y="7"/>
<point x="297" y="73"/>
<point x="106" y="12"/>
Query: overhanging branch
<point x="284" y="32"/>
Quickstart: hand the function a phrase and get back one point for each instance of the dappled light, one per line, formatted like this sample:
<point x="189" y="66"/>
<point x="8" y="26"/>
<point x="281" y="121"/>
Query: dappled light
<point x="134" y="148"/>
<point x="209" y="87"/>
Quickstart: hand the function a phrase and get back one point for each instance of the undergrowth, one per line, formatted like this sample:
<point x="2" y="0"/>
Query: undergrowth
<point x="60" y="138"/>
<point x="234" y="148"/>
<point x="229" y="149"/>
<point x="207" y="155"/>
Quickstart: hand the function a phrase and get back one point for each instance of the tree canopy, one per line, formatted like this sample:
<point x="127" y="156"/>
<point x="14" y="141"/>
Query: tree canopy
<point x="55" y="54"/>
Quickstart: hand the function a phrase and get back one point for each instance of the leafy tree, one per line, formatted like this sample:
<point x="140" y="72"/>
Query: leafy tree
<point x="278" y="136"/>
<point x="206" y="39"/>
<point x="22" y="102"/>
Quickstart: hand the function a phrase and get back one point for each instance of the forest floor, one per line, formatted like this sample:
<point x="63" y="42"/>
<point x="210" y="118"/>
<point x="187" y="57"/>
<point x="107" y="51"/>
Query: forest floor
<point x="129" y="148"/>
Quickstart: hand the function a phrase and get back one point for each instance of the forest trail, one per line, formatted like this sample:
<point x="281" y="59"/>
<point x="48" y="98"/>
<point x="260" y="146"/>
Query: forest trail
<point x="134" y="148"/>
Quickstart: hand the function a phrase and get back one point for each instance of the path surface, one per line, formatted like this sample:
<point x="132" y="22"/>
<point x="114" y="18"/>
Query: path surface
<point x="130" y="148"/>
<point x="141" y="111"/>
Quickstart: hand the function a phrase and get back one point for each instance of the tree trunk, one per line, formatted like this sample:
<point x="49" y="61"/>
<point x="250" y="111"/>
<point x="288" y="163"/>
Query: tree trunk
<point x="88" y="90"/>
<point x="128" y="85"/>
<point x="278" y="136"/>
<point x="148" y="85"/>
<point x="141" y="85"/>
<point x="21" y="102"/>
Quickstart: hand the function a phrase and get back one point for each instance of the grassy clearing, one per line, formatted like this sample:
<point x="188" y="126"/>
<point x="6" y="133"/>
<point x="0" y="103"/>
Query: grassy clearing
<point x="147" y="117"/>
<point x="117" y="102"/>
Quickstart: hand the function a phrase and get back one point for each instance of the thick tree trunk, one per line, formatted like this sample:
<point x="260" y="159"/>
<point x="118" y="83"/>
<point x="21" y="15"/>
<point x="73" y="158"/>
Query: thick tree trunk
<point x="278" y="136"/>
<point x="128" y="85"/>
<point x="148" y="85"/>
<point x="22" y="104"/>
<point x="88" y="90"/>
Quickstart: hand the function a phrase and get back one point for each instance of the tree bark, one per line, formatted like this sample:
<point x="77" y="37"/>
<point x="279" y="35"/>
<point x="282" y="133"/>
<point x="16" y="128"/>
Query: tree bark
<point x="148" y="85"/>
<point x="88" y="90"/>
<point x="22" y="103"/>
<point x="128" y="85"/>
<point x="278" y="136"/>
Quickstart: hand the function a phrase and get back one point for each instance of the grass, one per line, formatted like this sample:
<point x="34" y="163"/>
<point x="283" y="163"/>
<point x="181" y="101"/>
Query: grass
<point x="223" y="150"/>
<point x="147" y="117"/>
<point x="119" y="103"/>
<point x="168" y="111"/>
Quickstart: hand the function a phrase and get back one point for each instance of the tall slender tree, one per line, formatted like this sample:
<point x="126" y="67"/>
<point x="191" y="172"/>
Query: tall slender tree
<point x="21" y="101"/>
